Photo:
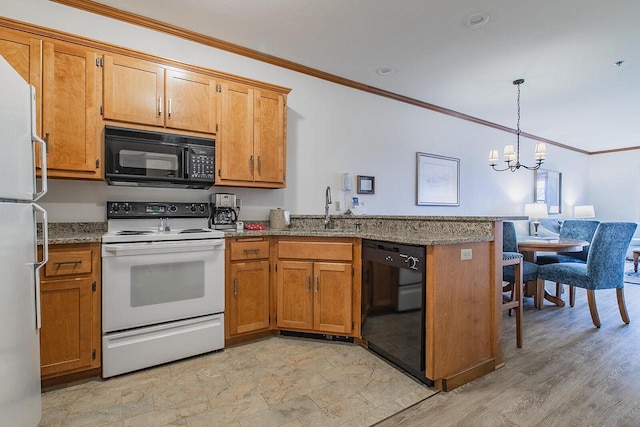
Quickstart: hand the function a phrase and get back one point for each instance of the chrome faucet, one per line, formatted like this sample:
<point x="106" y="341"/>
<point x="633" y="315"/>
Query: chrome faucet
<point x="327" y="202"/>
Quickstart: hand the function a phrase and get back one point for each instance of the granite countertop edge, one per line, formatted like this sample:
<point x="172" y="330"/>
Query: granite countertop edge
<point x="396" y="238"/>
<point x="92" y="232"/>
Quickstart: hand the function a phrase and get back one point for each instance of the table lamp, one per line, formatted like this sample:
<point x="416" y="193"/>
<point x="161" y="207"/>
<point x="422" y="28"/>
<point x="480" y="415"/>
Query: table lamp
<point x="584" y="211"/>
<point x="536" y="211"/>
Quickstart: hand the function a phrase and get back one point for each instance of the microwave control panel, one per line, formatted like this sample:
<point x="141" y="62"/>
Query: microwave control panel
<point x="201" y="162"/>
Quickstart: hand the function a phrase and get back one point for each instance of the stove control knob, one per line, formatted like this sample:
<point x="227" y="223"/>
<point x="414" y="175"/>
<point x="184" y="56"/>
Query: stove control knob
<point x="115" y="207"/>
<point x="127" y="208"/>
<point x="193" y="207"/>
<point x="201" y="208"/>
<point x="173" y="208"/>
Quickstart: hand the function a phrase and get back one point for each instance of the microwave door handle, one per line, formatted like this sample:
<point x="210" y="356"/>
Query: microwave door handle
<point x="186" y="163"/>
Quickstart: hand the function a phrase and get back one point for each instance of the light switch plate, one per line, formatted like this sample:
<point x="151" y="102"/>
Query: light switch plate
<point x="466" y="254"/>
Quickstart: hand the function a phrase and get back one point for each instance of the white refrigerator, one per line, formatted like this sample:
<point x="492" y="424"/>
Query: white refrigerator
<point x="20" y="403"/>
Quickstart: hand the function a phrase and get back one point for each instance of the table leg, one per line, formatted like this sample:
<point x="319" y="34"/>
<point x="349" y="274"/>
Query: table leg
<point x="636" y="255"/>
<point x="554" y="299"/>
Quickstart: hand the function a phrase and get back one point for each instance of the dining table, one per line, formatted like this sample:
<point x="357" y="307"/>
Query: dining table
<point x="530" y="248"/>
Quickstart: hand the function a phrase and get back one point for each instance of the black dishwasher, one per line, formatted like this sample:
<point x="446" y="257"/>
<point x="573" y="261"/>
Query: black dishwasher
<point x="393" y="304"/>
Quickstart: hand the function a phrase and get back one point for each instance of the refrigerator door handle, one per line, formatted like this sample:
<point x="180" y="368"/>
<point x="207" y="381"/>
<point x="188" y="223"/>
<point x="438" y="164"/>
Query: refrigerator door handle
<point x="43" y="168"/>
<point x="43" y="152"/>
<point x="39" y="264"/>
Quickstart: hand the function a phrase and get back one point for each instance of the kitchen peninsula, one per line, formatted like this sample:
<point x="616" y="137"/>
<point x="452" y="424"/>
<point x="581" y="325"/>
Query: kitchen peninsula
<point x="463" y="306"/>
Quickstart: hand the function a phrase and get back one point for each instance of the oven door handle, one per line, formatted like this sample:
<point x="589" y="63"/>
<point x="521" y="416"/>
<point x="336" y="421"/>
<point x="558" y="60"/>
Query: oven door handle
<point x="150" y="248"/>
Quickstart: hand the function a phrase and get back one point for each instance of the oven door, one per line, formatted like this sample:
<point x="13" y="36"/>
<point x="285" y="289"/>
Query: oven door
<point x="152" y="282"/>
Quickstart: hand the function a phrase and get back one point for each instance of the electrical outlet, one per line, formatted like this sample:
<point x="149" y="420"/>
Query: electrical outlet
<point x="337" y="206"/>
<point x="465" y="254"/>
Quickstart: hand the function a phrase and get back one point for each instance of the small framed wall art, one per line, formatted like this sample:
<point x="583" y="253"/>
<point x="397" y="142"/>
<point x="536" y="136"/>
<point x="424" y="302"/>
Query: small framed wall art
<point x="438" y="180"/>
<point x="366" y="184"/>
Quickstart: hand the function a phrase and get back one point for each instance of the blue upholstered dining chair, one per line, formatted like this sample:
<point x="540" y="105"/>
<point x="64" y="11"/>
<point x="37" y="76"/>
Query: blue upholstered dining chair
<point x="572" y="229"/>
<point x="514" y="271"/>
<point x="510" y="244"/>
<point x="604" y="268"/>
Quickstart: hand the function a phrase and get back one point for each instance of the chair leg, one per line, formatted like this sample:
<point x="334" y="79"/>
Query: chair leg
<point x="622" y="306"/>
<point x="572" y="295"/>
<point x="518" y="285"/>
<point x="591" y="298"/>
<point x="539" y="301"/>
<point x="559" y="290"/>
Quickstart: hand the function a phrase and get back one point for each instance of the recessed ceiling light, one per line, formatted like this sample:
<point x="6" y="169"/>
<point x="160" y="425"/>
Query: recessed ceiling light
<point x="385" y="71"/>
<point x="477" y="20"/>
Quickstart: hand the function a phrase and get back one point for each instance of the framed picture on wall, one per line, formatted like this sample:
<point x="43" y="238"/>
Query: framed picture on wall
<point x="438" y="180"/>
<point x="547" y="188"/>
<point x="366" y="184"/>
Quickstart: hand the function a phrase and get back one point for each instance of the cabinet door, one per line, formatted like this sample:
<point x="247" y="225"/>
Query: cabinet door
<point x="190" y="101"/>
<point x="23" y="53"/>
<point x="235" y="142"/>
<point x="65" y="337"/>
<point x="332" y="298"/>
<point x="294" y="295"/>
<point x="133" y="90"/>
<point x="269" y="141"/>
<point x="249" y="297"/>
<point x="70" y="111"/>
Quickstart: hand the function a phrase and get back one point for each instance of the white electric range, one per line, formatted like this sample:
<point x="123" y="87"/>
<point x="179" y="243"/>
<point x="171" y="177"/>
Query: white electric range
<point x="162" y="285"/>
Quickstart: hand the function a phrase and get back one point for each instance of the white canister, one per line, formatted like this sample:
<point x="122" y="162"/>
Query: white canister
<point x="279" y="219"/>
<point x="239" y="226"/>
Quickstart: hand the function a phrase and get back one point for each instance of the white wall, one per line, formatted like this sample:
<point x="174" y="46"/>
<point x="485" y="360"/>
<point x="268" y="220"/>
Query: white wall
<point x="331" y="129"/>
<point x="614" y="181"/>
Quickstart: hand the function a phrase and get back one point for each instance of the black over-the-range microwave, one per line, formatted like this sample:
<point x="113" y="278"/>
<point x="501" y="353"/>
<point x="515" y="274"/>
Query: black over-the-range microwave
<point x="156" y="159"/>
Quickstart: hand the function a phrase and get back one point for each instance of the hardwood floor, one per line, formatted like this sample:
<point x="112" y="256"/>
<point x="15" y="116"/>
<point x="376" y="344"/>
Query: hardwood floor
<point x="568" y="372"/>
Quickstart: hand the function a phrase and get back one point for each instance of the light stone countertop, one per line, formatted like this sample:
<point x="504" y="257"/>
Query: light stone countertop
<point x="74" y="232"/>
<point x="418" y="230"/>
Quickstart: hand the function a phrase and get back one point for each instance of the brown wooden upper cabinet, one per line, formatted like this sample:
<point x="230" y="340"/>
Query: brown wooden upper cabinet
<point x="24" y="52"/>
<point x="71" y="123"/>
<point x="251" y="144"/>
<point x="146" y="93"/>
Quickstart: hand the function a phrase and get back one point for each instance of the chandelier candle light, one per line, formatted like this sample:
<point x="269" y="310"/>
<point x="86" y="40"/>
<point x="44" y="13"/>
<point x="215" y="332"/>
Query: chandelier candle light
<point x="511" y="156"/>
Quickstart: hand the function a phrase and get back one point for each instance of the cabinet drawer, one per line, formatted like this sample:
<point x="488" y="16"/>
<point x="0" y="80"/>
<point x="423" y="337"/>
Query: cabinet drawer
<point x="68" y="263"/>
<point x="249" y="250"/>
<point x="319" y="251"/>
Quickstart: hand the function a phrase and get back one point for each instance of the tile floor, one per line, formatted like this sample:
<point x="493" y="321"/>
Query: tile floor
<point x="279" y="381"/>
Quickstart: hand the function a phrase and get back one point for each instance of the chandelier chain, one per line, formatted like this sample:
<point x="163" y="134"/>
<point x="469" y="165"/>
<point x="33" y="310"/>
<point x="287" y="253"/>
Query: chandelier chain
<point x="518" y="128"/>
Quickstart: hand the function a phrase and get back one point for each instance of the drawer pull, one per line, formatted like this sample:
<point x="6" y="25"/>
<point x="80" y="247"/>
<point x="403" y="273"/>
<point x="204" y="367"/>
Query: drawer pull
<point x="248" y="251"/>
<point x="235" y="286"/>
<point x="60" y="263"/>
<point x="308" y="283"/>
<point x="315" y="283"/>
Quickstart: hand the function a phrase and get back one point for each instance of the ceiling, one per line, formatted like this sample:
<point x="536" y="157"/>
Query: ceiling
<point x="574" y="92"/>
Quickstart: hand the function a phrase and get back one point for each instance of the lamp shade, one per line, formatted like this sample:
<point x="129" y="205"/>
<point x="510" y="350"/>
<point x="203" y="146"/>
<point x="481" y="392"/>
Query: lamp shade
<point x="536" y="210"/>
<point x="584" y="211"/>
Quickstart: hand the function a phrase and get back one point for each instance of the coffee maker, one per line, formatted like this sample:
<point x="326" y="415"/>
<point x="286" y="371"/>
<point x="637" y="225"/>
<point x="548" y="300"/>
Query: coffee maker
<point x="225" y="208"/>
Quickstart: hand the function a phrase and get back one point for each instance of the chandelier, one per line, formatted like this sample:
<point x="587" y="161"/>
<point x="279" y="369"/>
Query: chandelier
<point x="511" y="156"/>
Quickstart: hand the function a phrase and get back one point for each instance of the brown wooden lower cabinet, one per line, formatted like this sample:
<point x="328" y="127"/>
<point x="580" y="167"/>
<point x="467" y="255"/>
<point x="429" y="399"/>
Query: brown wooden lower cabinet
<point x="314" y="287"/>
<point x="70" y="307"/>
<point x="248" y="287"/>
